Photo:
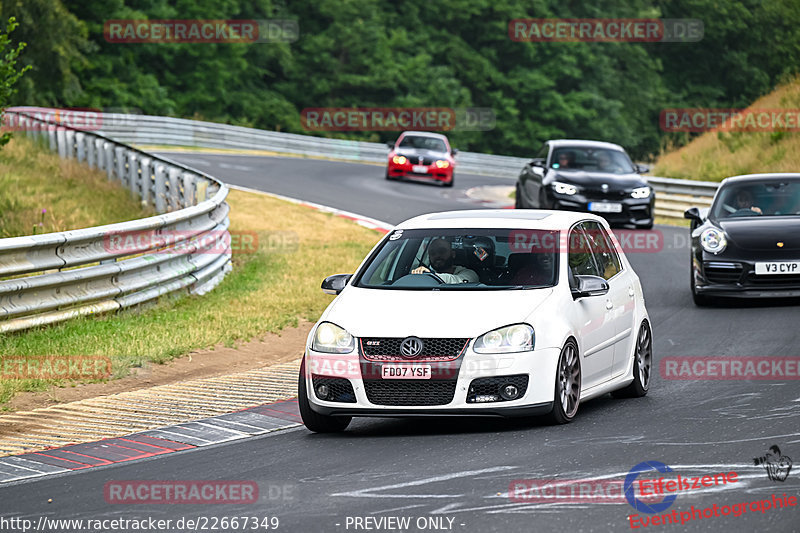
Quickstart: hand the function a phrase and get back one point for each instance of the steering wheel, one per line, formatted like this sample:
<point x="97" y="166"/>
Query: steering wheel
<point x="433" y="274"/>
<point x="745" y="212"/>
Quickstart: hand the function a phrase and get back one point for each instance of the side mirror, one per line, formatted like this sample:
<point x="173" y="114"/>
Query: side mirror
<point x="589" y="286"/>
<point x="390" y="144"/>
<point x="693" y="214"/>
<point x="454" y="151"/>
<point x="642" y="169"/>
<point x="335" y="284"/>
<point x="538" y="162"/>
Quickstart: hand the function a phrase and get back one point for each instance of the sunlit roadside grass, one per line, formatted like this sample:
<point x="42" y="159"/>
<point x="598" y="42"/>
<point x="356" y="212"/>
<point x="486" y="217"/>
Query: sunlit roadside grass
<point x="714" y="156"/>
<point x="42" y="193"/>
<point x="266" y="291"/>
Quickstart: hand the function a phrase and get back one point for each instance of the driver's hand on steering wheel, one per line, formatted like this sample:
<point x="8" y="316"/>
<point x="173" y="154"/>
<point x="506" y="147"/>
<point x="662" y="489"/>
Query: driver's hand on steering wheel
<point x="756" y="210"/>
<point x="420" y="270"/>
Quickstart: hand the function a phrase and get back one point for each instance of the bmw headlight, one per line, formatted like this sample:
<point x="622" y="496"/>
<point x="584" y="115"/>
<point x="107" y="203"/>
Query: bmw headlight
<point x="330" y="338"/>
<point x="564" y="188"/>
<point x="399" y="160"/>
<point x="713" y="240"/>
<point x="641" y="192"/>
<point x="516" y="338"/>
<point x="441" y="163"/>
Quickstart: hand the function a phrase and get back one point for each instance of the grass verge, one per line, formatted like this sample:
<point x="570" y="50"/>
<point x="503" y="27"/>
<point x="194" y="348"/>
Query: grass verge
<point x="42" y="193"/>
<point x="714" y="156"/>
<point x="267" y="290"/>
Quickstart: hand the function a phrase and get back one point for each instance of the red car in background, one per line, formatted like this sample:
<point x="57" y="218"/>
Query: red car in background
<point x="420" y="154"/>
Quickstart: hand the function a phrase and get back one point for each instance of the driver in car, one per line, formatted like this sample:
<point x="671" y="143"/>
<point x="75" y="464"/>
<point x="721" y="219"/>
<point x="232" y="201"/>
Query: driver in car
<point x="442" y="258"/>
<point x="744" y="202"/>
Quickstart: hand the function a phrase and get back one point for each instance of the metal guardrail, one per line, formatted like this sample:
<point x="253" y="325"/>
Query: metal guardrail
<point x="56" y="276"/>
<point x="673" y="196"/>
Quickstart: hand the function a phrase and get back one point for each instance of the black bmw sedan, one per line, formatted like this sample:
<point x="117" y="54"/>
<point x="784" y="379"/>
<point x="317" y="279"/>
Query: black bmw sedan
<point x="592" y="176"/>
<point x="747" y="244"/>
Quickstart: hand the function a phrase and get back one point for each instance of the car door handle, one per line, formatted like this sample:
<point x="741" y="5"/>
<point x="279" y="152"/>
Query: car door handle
<point x="609" y="304"/>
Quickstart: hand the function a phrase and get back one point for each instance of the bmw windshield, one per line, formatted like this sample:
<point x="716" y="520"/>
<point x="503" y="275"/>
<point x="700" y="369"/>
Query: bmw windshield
<point x="472" y="259"/>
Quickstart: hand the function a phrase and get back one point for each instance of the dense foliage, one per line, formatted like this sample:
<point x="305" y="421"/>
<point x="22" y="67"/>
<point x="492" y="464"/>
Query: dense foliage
<point x="417" y="53"/>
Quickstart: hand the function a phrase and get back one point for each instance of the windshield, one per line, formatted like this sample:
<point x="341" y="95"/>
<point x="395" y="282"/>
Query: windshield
<point x="592" y="159"/>
<point x="758" y="199"/>
<point x="423" y="143"/>
<point x="467" y="259"/>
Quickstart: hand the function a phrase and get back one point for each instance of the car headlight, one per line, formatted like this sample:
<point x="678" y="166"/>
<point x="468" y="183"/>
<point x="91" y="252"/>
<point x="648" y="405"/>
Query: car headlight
<point x="713" y="240"/>
<point x="442" y="163"/>
<point x="516" y="338"/>
<point x="399" y="160"/>
<point x="330" y="338"/>
<point x="641" y="192"/>
<point x="564" y="188"/>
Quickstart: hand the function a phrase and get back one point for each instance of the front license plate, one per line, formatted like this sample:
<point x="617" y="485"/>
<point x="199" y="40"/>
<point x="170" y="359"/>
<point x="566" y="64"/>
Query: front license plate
<point x="420" y="169"/>
<point x="605" y="207"/>
<point x="406" y="371"/>
<point x="778" y="267"/>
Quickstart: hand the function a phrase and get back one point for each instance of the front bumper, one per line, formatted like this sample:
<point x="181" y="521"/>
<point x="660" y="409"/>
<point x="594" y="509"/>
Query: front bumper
<point x="733" y="278"/>
<point x="635" y="211"/>
<point x="538" y="365"/>
<point x="432" y="172"/>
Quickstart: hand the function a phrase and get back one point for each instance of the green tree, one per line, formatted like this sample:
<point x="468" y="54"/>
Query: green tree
<point x="9" y="73"/>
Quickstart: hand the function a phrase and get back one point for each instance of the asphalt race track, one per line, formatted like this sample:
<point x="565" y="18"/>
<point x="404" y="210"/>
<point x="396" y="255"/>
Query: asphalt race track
<point x="458" y="471"/>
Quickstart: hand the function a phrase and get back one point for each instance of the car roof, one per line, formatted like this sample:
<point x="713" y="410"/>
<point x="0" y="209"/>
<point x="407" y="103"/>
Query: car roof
<point x="755" y="178"/>
<point x="498" y="218"/>
<point x="581" y="143"/>
<point x="425" y="134"/>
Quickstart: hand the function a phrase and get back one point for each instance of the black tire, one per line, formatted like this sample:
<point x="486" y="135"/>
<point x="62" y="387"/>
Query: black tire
<point x="567" y="395"/>
<point x="388" y="177"/>
<point x="642" y="365"/>
<point x="449" y="183"/>
<point x="517" y="199"/>
<point x="314" y="421"/>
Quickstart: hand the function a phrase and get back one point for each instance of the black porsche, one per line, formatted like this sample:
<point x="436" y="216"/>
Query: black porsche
<point x="593" y="176"/>
<point x="747" y="244"/>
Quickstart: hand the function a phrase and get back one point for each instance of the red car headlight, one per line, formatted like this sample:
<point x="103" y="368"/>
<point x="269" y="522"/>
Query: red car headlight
<point x="399" y="160"/>
<point x="442" y="163"/>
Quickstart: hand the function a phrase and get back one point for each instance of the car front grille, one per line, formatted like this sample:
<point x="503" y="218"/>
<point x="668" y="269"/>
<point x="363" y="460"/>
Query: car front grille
<point x="434" y="349"/>
<point x="340" y="389"/>
<point x="777" y="281"/>
<point x="722" y="272"/>
<point x="488" y="389"/>
<point x="599" y="194"/>
<point x="410" y="392"/>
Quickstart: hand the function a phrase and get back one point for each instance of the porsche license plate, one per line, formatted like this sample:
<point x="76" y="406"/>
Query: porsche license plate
<point x="605" y="207"/>
<point x="406" y="371"/>
<point x="778" y="267"/>
<point x="419" y="169"/>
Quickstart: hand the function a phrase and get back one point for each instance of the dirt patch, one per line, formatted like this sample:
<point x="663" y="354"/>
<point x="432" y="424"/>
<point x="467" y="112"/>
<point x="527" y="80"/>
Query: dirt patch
<point x="286" y="346"/>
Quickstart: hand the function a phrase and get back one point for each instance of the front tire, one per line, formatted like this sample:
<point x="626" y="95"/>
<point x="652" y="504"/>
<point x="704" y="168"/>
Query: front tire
<point x="449" y="183"/>
<point x="517" y="199"/>
<point x="567" y="395"/>
<point x="700" y="300"/>
<point x="314" y="421"/>
<point x="642" y="365"/>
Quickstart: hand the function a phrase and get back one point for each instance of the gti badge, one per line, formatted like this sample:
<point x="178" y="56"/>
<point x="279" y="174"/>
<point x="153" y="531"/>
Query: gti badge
<point x="411" y="347"/>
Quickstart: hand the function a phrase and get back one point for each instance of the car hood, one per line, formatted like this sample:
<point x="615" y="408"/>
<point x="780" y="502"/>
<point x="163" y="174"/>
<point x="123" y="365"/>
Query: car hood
<point x="445" y="313"/>
<point x="762" y="233"/>
<point x="616" y="182"/>
<point x="417" y="152"/>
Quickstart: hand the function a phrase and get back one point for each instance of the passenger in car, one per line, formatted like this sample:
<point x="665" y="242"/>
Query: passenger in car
<point x="442" y="258"/>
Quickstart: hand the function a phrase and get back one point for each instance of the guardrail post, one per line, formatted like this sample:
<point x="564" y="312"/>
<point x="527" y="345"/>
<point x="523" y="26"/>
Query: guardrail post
<point x="133" y="172"/>
<point x="188" y="189"/>
<point x="174" y="194"/>
<point x="52" y="137"/>
<point x="160" y="188"/>
<point x="61" y="142"/>
<point x="99" y="153"/>
<point x="80" y="138"/>
<point x="145" y="179"/>
<point x="69" y="143"/>
<point x="122" y="175"/>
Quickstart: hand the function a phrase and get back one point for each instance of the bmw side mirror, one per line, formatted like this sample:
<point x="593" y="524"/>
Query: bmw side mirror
<point x="390" y="144"/>
<point x="589" y="286"/>
<point x="335" y="284"/>
<point x="641" y="169"/>
<point x="454" y="151"/>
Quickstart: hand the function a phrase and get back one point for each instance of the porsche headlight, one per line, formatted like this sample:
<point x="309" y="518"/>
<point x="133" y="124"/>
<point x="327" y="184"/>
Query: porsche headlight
<point x="564" y="188"/>
<point x="516" y="338"/>
<point x="713" y="240"/>
<point x="330" y="338"/>
<point x="399" y="160"/>
<point x="641" y="192"/>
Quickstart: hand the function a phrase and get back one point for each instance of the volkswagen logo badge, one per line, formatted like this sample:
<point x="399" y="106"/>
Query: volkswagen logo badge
<point x="411" y="347"/>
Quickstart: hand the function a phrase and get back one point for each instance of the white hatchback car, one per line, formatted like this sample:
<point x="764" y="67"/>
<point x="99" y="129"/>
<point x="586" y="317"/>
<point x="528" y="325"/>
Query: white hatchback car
<point x="489" y="312"/>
